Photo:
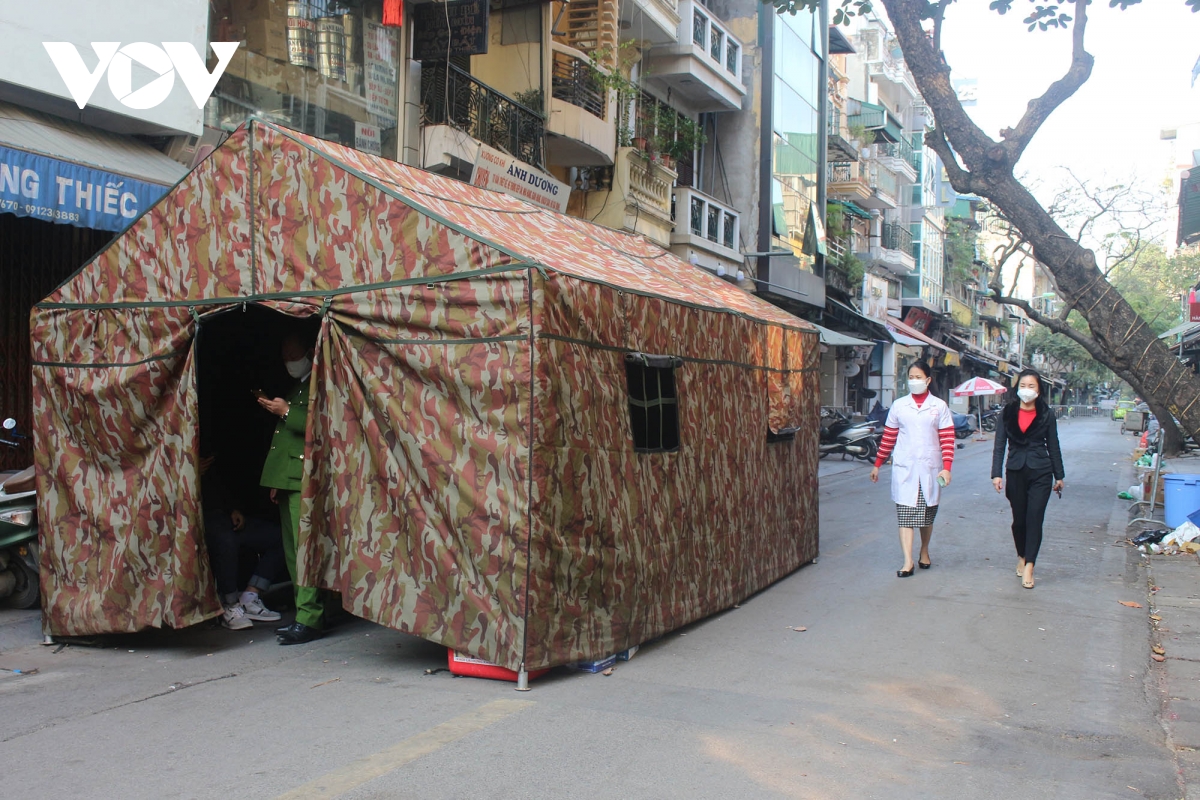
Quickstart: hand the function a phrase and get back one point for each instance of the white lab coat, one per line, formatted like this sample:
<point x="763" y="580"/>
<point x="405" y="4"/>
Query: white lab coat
<point x="917" y="456"/>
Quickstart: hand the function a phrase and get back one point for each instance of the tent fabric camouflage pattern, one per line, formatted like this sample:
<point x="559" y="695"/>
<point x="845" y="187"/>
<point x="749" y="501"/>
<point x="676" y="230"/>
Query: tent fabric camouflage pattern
<point x="470" y="472"/>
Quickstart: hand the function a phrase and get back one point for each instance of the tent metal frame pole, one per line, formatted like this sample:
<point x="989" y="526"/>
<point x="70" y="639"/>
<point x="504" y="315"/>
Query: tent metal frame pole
<point x="523" y="679"/>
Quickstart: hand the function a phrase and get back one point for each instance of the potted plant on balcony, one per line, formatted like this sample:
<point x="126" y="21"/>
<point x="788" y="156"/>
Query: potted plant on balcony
<point x="678" y="136"/>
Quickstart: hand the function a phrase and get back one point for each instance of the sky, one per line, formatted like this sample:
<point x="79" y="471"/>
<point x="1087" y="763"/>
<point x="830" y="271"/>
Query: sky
<point x="1110" y="129"/>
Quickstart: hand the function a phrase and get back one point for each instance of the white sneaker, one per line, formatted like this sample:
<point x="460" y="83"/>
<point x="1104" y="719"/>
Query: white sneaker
<point x="256" y="611"/>
<point x="235" y="619"/>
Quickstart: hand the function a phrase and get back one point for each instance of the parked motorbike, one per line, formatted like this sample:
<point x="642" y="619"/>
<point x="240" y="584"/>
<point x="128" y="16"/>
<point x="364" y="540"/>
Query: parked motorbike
<point x="18" y="531"/>
<point x="840" y="435"/>
<point x="964" y="425"/>
<point x="989" y="420"/>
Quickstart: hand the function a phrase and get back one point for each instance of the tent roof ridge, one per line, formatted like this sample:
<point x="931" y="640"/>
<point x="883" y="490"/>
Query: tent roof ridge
<point x="384" y="187"/>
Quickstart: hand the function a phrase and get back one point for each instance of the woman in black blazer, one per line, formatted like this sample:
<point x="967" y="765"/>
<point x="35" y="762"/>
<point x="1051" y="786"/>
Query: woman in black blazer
<point x="1028" y="427"/>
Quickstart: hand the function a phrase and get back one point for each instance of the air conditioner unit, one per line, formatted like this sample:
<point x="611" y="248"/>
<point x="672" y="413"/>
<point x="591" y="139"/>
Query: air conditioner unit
<point x="947" y="305"/>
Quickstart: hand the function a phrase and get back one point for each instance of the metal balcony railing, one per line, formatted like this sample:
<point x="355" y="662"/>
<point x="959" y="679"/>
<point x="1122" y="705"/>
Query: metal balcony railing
<point x="711" y="35"/>
<point x="844" y="172"/>
<point x="896" y="237"/>
<point x="574" y="81"/>
<point x="450" y="96"/>
<point x="884" y="181"/>
<point x="902" y="150"/>
<point x="707" y="218"/>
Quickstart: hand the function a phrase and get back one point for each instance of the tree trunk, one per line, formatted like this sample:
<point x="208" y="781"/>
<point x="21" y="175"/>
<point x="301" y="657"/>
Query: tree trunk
<point x="980" y="165"/>
<point x="1172" y="443"/>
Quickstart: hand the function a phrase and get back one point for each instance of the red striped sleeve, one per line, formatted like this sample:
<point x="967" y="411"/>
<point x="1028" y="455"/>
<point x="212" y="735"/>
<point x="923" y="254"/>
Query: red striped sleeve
<point x="946" y="435"/>
<point x="886" y="445"/>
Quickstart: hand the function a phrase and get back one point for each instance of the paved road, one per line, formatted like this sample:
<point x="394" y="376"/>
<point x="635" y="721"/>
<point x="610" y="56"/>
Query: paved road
<point x="956" y="683"/>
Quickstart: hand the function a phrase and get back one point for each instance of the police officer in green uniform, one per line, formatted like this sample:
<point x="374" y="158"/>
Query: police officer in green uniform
<point x="282" y="473"/>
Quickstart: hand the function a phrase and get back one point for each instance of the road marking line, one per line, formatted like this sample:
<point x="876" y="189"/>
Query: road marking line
<point x="373" y="766"/>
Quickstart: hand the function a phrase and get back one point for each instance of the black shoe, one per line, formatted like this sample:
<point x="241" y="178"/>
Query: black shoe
<point x="300" y="634"/>
<point x="904" y="573"/>
<point x="283" y="629"/>
<point x="924" y="566"/>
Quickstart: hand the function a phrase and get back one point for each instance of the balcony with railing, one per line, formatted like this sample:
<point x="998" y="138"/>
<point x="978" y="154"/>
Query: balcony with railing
<point x="705" y="66"/>
<point x="634" y="195"/>
<point x="896" y="248"/>
<point x="705" y="223"/>
<point x="877" y="49"/>
<point x="846" y="180"/>
<point x="900" y="158"/>
<point x="838" y="145"/>
<point x="455" y="98"/>
<point x="582" y="123"/>
<point x="885" y="187"/>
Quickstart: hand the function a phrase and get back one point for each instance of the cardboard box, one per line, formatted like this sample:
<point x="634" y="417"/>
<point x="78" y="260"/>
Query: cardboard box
<point x="242" y="11"/>
<point x="265" y="37"/>
<point x="593" y="666"/>
<point x="1147" y="485"/>
<point x="625" y="655"/>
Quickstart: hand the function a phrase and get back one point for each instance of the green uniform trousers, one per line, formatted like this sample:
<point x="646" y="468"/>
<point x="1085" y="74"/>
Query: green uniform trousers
<point x="308" y="599"/>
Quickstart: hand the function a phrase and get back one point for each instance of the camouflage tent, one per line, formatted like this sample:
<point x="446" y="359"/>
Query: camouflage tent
<point x="472" y="476"/>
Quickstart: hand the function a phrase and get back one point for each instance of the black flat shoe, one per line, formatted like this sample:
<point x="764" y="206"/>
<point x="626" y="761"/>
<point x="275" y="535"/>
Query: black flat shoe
<point x="924" y="566"/>
<point x="904" y="573"/>
<point x="300" y="634"/>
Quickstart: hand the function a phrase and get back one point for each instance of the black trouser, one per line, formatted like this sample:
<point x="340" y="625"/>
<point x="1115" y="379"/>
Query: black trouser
<point x="224" y="544"/>
<point x="1028" y="492"/>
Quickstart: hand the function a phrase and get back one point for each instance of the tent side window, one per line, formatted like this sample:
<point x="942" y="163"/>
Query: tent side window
<point x="785" y="435"/>
<point x="653" y="402"/>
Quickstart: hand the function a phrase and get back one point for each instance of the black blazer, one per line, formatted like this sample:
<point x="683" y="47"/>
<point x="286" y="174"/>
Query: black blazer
<point x="1036" y="448"/>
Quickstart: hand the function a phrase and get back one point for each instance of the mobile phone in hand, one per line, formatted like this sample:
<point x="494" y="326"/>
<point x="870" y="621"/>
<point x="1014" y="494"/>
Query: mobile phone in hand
<point x="1059" y="493"/>
<point x="259" y="393"/>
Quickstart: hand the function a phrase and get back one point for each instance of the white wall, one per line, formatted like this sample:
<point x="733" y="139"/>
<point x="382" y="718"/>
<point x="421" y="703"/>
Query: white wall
<point x="27" y="65"/>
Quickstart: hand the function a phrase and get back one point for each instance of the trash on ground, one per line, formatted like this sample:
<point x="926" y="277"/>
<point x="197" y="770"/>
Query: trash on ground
<point x="800" y="629"/>
<point x="1158" y="658"/>
<point x="1130" y="603"/>
<point x="1158" y="648"/>
<point x="1150" y="537"/>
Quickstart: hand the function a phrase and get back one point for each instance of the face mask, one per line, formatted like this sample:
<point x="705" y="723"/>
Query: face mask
<point x="298" y="369"/>
<point x="917" y="387"/>
<point x="1027" y="395"/>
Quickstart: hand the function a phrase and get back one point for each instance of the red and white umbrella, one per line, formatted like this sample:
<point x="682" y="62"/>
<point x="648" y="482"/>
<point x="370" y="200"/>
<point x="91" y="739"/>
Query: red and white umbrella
<point x="979" y="386"/>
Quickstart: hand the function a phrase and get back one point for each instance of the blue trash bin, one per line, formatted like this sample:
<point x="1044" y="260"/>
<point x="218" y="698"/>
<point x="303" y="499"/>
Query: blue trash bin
<point x="1181" y="496"/>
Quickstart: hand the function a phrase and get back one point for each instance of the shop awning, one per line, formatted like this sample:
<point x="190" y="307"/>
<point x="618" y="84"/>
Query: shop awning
<point x="61" y="171"/>
<point x="977" y="353"/>
<point x="853" y="209"/>
<point x="853" y="318"/>
<point x="906" y="334"/>
<point x="836" y="339"/>
<point x="1184" y="329"/>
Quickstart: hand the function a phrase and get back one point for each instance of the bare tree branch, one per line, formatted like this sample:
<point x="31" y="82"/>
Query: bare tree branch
<point x="939" y="16"/>
<point x="962" y="180"/>
<point x="1018" y="138"/>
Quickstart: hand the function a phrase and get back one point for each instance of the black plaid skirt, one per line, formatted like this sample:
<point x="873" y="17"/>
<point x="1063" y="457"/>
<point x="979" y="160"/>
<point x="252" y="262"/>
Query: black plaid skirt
<point x="919" y="517"/>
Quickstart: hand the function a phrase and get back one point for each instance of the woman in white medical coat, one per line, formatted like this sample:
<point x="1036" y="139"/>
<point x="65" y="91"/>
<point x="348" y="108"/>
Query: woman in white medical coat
<point x="919" y="436"/>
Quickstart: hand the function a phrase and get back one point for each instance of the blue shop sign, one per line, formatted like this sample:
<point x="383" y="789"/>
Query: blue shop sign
<point x="71" y="194"/>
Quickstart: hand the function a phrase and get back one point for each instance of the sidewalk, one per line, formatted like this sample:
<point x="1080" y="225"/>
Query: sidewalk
<point x="1173" y="595"/>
